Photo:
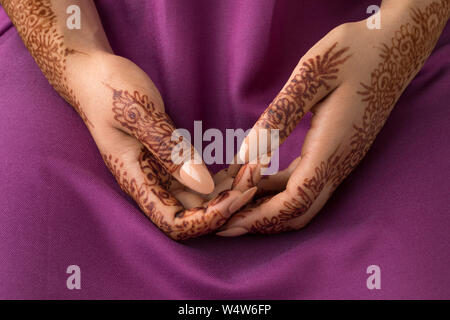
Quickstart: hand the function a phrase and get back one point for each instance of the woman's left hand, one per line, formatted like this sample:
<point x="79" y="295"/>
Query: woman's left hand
<point x="350" y="81"/>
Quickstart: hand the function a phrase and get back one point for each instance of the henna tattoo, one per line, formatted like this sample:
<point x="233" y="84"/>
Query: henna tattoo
<point x="288" y="108"/>
<point x="152" y="127"/>
<point x="285" y="113"/>
<point x="150" y="165"/>
<point x="400" y="62"/>
<point x="219" y="198"/>
<point x="35" y="22"/>
<point x="156" y="175"/>
<point x="307" y="193"/>
<point x="250" y="172"/>
<point x="152" y="196"/>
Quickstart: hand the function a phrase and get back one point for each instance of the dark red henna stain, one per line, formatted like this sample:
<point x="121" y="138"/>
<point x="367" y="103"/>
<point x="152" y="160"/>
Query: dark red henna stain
<point x="288" y="108"/>
<point x="35" y="22"/>
<point x="184" y="225"/>
<point x="307" y="193"/>
<point x="400" y="62"/>
<point x="152" y="127"/>
<point x="150" y="165"/>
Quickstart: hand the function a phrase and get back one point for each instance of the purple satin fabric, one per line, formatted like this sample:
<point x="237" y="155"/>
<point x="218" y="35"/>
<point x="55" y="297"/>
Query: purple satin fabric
<point x="221" y="62"/>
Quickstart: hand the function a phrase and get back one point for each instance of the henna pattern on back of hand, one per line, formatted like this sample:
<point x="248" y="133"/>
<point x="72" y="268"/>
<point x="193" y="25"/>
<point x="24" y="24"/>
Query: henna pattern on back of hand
<point x="152" y="196"/>
<point x="288" y="107"/>
<point x="400" y="61"/>
<point x="35" y="22"/>
<point x="136" y="113"/>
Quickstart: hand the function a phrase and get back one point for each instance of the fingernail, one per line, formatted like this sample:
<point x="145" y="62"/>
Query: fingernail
<point x="196" y="177"/>
<point x="242" y="155"/>
<point x="242" y="200"/>
<point x="232" y="232"/>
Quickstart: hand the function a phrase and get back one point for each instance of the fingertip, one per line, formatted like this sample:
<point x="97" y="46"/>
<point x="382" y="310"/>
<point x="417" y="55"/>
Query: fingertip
<point x="197" y="177"/>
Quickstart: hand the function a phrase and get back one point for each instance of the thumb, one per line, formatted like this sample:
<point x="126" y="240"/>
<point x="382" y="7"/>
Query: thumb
<point x="135" y="114"/>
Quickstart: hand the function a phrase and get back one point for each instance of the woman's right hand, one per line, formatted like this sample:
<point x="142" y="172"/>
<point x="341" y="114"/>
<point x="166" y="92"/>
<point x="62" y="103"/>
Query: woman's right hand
<point x="125" y="114"/>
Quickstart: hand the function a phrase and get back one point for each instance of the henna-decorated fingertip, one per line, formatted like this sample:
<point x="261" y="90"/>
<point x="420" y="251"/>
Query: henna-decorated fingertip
<point x="232" y="232"/>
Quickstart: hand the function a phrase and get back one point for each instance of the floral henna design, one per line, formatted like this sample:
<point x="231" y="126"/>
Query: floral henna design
<point x="157" y="175"/>
<point x="184" y="225"/>
<point x="150" y="165"/>
<point x="152" y="127"/>
<point x="400" y="62"/>
<point x="35" y="22"/>
<point x="307" y="193"/>
<point x="288" y="108"/>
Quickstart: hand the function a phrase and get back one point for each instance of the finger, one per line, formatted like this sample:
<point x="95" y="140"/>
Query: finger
<point x="324" y="163"/>
<point x="154" y="170"/>
<point x="137" y="115"/>
<point x="247" y="177"/>
<point x="222" y="181"/>
<point x="244" y="177"/>
<point x="139" y="174"/>
<point x="254" y="218"/>
<point x="302" y="220"/>
<point x="316" y="75"/>
<point x="251" y="175"/>
<point x="188" y="199"/>
<point x="276" y="183"/>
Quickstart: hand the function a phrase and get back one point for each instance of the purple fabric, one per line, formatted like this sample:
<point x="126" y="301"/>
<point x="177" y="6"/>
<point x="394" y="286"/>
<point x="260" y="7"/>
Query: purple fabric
<point x="221" y="62"/>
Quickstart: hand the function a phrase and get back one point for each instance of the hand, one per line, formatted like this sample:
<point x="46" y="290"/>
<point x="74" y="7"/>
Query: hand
<point x="125" y="114"/>
<point x="350" y="81"/>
